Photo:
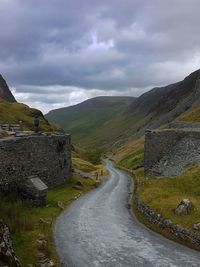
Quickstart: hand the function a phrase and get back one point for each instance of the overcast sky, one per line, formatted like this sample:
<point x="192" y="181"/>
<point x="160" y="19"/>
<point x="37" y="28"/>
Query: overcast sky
<point x="56" y="53"/>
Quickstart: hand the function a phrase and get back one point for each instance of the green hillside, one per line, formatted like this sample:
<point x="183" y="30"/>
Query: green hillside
<point x="107" y="123"/>
<point x="94" y="122"/>
<point x="13" y="112"/>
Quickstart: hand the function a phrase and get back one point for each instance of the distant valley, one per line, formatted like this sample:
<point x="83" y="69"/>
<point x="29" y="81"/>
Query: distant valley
<point x="110" y="122"/>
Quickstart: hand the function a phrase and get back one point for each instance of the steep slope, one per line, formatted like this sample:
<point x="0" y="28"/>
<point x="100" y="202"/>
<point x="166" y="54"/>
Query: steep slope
<point x="5" y="92"/>
<point x="165" y="104"/>
<point x="13" y="112"/>
<point x="162" y="105"/>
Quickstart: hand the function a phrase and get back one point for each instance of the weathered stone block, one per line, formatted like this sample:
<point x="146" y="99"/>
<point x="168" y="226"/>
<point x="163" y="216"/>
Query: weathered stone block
<point x="35" y="190"/>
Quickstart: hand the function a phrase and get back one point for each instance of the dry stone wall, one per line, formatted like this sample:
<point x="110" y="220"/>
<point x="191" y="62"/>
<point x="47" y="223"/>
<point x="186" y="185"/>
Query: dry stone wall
<point x="48" y="157"/>
<point x="169" y="151"/>
<point x="188" y="236"/>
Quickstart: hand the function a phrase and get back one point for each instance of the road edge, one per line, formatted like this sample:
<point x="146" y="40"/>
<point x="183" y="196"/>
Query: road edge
<point x="156" y="226"/>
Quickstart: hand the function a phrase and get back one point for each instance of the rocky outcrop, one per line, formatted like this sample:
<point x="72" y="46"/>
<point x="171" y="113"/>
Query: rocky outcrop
<point x="184" y="207"/>
<point x="5" y="92"/>
<point x="196" y="226"/>
<point x="7" y="255"/>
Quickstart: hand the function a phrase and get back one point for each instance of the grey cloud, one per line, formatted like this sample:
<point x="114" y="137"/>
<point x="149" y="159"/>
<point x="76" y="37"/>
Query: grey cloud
<point x="48" y="48"/>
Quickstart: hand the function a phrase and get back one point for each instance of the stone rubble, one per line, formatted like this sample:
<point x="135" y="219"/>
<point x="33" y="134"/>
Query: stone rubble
<point x="169" y="152"/>
<point x="7" y="255"/>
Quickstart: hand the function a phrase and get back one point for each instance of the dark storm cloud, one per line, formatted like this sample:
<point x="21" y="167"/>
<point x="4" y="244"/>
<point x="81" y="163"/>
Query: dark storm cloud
<point x="55" y="49"/>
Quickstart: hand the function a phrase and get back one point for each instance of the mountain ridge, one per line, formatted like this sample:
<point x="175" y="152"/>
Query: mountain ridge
<point x="157" y="107"/>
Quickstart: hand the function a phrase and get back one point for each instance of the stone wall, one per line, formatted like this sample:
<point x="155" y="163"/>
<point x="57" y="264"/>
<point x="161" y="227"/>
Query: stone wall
<point x="188" y="236"/>
<point x="178" y="232"/>
<point x="183" y="124"/>
<point x="169" y="151"/>
<point x="48" y="157"/>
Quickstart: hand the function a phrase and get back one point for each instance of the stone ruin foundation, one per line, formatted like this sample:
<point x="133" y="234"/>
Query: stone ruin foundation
<point x="30" y="164"/>
<point x="169" y="152"/>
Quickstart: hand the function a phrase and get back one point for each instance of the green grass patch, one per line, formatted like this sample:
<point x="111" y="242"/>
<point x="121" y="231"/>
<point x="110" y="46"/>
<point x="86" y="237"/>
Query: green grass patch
<point x="25" y="224"/>
<point x="83" y="165"/>
<point x="163" y="195"/>
<point x="133" y="161"/>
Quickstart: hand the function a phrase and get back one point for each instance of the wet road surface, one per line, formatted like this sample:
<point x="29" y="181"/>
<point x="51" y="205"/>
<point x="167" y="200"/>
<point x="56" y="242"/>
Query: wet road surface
<point x="98" y="230"/>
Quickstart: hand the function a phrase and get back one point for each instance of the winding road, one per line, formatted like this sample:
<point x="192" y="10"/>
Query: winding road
<point x="98" y="230"/>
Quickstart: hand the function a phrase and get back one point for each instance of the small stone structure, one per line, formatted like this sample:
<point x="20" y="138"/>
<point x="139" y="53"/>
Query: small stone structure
<point x="168" y="152"/>
<point x="14" y="127"/>
<point x="35" y="190"/>
<point x="47" y="157"/>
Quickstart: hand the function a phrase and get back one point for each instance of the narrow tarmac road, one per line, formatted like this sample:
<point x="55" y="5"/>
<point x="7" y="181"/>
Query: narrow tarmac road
<point x="98" y="230"/>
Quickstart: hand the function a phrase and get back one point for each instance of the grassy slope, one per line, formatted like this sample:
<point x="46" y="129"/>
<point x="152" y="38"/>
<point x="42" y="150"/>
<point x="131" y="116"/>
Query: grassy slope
<point x="26" y="228"/>
<point x="95" y="122"/>
<point x="130" y="155"/>
<point x="164" y="194"/>
<point x="15" y="112"/>
<point x="83" y="165"/>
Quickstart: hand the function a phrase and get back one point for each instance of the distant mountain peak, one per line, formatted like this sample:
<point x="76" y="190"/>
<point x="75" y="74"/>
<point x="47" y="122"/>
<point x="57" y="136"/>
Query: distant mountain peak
<point x="5" y="92"/>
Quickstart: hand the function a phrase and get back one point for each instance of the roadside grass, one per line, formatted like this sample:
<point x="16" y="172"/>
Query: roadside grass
<point x="83" y="165"/>
<point x="163" y="195"/>
<point x="128" y="149"/>
<point x="24" y="221"/>
<point x="131" y="155"/>
<point x="133" y="161"/>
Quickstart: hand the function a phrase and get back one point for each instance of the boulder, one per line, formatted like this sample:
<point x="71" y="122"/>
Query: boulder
<point x="196" y="226"/>
<point x="35" y="190"/>
<point x="184" y="207"/>
<point x="61" y="205"/>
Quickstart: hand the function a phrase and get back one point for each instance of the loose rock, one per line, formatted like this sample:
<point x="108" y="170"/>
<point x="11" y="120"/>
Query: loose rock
<point x="196" y="226"/>
<point x="60" y="205"/>
<point x="184" y="207"/>
<point x="7" y="255"/>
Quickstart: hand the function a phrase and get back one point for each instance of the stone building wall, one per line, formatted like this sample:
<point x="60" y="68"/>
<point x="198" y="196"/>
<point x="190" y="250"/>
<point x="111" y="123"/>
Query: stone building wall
<point x="169" y="151"/>
<point x="48" y="157"/>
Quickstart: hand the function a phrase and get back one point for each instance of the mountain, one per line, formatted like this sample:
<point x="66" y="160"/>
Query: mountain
<point x="92" y="122"/>
<point x="12" y="112"/>
<point x="5" y="92"/>
<point x="109" y="122"/>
